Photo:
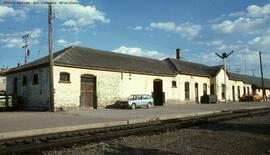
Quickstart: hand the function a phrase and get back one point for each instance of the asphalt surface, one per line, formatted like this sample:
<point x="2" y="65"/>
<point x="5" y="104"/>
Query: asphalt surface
<point x="19" y="121"/>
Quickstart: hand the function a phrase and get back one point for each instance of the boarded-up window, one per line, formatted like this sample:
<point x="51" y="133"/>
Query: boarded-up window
<point x="64" y="77"/>
<point x="35" y="79"/>
<point x="186" y="90"/>
<point x="24" y="81"/>
<point x="204" y="89"/>
<point x="174" y="84"/>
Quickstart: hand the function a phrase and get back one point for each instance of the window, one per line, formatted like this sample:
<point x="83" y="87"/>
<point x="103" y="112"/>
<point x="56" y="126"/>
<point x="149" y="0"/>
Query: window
<point x="24" y="81"/>
<point x="204" y="89"/>
<point x="248" y="90"/>
<point x="186" y="90"/>
<point x="64" y="77"/>
<point x="35" y="79"/>
<point x="223" y="91"/>
<point x="212" y="89"/>
<point x="173" y="84"/>
<point x="244" y="89"/>
<point x="259" y="90"/>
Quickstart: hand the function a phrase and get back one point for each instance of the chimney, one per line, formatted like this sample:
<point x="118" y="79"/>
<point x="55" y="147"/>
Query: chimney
<point x="178" y="54"/>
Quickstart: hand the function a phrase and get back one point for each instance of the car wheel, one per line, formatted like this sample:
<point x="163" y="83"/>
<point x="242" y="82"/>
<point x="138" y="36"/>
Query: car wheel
<point x="133" y="106"/>
<point x="149" y="105"/>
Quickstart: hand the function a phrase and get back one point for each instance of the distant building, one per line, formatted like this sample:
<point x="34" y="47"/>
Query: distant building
<point x="85" y="77"/>
<point x="3" y="80"/>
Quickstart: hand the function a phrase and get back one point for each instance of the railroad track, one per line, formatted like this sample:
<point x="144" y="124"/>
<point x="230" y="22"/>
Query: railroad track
<point x="49" y="141"/>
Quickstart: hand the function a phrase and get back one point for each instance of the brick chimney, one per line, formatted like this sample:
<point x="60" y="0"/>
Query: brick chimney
<point x="178" y="54"/>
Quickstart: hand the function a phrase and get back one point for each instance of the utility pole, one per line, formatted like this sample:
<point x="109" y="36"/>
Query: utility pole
<point x="262" y="80"/>
<point x="224" y="56"/>
<point x="26" y="52"/>
<point x="50" y="57"/>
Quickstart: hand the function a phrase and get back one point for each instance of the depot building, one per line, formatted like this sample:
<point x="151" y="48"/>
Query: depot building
<point x="92" y="78"/>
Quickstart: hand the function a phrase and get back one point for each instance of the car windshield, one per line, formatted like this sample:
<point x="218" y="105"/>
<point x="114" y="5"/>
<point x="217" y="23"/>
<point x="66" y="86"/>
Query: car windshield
<point x="133" y="97"/>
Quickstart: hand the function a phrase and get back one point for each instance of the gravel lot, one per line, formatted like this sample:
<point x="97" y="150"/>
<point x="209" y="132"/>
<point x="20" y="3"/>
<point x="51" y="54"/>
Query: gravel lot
<point x="243" y="136"/>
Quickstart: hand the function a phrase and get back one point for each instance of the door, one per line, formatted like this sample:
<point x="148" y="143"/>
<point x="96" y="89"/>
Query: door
<point x="158" y="92"/>
<point x="15" y="86"/>
<point x="196" y="92"/>
<point x="238" y="92"/>
<point x="88" y="91"/>
<point x="233" y="93"/>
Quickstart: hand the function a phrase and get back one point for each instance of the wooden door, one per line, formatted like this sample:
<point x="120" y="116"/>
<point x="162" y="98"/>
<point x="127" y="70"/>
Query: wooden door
<point x="87" y="98"/>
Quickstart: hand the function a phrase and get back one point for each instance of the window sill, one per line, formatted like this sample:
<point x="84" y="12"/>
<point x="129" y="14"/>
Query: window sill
<point x="67" y="82"/>
<point x="174" y="87"/>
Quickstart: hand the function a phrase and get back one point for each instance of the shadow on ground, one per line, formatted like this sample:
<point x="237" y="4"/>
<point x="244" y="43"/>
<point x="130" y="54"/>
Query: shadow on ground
<point x="126" y="150"/>
<point x="253" y="128"/>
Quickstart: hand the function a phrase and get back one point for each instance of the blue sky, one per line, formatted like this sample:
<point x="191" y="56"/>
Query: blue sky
<point x="152" y="28"/>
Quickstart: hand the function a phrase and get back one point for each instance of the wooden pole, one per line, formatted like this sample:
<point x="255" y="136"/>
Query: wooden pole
<point x="50" y="58"/>
<point x="262" y="80"/>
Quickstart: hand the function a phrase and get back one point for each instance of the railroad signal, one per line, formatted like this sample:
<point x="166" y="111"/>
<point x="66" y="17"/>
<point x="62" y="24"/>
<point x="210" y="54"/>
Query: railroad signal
<point x="224" y="56"/>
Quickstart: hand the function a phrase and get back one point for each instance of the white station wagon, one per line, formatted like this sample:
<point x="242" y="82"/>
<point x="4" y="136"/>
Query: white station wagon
<point x="137" y="100"/>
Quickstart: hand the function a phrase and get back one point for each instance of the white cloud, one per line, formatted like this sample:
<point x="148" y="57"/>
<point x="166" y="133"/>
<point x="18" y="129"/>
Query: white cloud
<point x="8" y="11"/>
<point x="77" y="15"/>
<point x="72" y="15"/>
<point x="169" y="26"/>
<point x="187" y="30"/>
<point x="261" y="42"/>
<point x="64" y="43"/>
<point x="14" y="40"/>
<point x="255" y="19"/>
<point x="140" y="52"/>
<point x="237" y="14"/>
<point x="217" y="44"/>
<point x="136" y="28"/>
<point x="241" y="25"/>
<point x="257" y="11"/>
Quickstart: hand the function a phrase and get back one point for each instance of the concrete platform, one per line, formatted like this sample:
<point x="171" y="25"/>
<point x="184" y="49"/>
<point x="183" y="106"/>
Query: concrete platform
<point x="21" y="124"/>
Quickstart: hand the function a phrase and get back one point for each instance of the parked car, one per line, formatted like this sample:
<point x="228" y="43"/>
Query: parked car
<point x="137" y="100"/>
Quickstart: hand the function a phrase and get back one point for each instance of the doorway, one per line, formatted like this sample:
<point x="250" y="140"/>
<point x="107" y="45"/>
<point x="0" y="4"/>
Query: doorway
<point x="233" y="93"/>
<point x="88" y="97"/>
<point x="158" y="95"/>
<point x="196" y="93"/>
<point x="15" y="86"/>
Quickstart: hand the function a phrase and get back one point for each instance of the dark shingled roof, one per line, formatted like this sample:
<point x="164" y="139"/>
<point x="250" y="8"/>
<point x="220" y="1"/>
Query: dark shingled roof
<point x="76" y="56"/>
<point x="250" y="80"/>
<point x="44" y="61"/>
<point x="88" y="57"/>
<point x="187" y="67"/>
<point x="97" y="59"/>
